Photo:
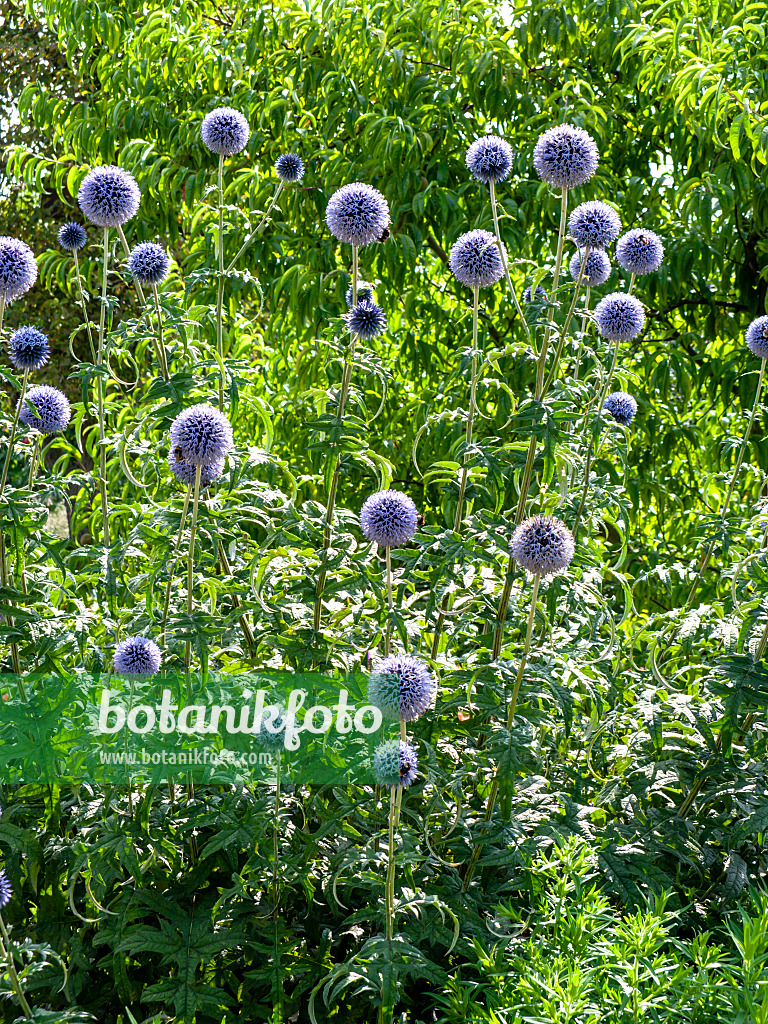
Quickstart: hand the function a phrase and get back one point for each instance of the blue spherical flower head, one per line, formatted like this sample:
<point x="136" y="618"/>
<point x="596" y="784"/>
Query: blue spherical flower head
<point x="366" y="320"/>
<point x="621" y="406"/>
<point x="289" y="168"/>
<point x="757" y="337"/>
<point x="597" y="269"/>
<point x="52" y="412"/>
<point x="475" y="260"/>
<point x="357" y="214"/>
<point x="18" y="268"/>
<point x="619" y="316"/>
<point x="538" y="295"/>
<point x="594" y="224"/>
<point x="148" y="263"/>
<point x="401" y="687"/>
<point x="639" y="251"/>
<point x="543" y="545"/>
<point x="389" y="518"/>
<point x="201" y="435"/>
<point x="72" y="236"/>
<point x="225" y="131"/>
<point x="185" y="471"/>
<point x="490" y="159"/>
<point x="109" y="196"/>
<point x="29" y="348"/>
<point x="395" y="764"/>
<point x="365" y="292"/>
<point x="137" y="656"/>
<point x="565" y="156"/>
<point x="5" y="890"/>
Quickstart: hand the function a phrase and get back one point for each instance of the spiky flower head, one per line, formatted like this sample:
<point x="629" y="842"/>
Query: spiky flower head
<point x="490" y="159"/>
<point x="621" y="406"/>
<point x="202" y="435"/>
<point x="366" y="320"/>
<point x="5" y="890"/>
<point x="639" y="251"/>
<point x="72" y="236"/>
<point x="394" y="764"/>
<point x="273" y="738"/>
<point x="289" y="168"/>
<point x="565" y="156"/>
<point x="185" y="471"/>
<point x="757" y="337"/>
<point x="52" y="409"/>
<point x="18" y="268"/>
<point x="595" y="224"/>
<point x="537" y="295"/>
<point x="137" y="656"/>
<point x="389" y="518"/>
<point x="364" y="291"/>
<point x="475" y="260"/>
<point x="619" y="316"/>
<point x="543" y="545"/>
<point x="225" y="131"/>
<point x="148" y="263"/>
<point x="357" y="213"/>
<point x="597" y="269"/>
<point x="109" y="196"/>
<point x="28" y="348"/>
<point x="401" y="687"/>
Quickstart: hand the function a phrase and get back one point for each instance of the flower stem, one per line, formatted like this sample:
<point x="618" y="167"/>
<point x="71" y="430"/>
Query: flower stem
<point x="246" y="629"/>
<point x="4" y="574"/>
<point x="161" y="353"/>
<point x="395" y="798"/>
<point x="257" y="229"/>
<point x="502" y="253"/>
<point x="191" y="561"/>
<point x="5" y="952"/>
<point x="390" y="604"/>
<point x="169" y="584"/>
<point x="82" y="304"/>
<point x="220" y="295"/>
<point x="14" y="428"/>
<point x="561" y="342"/>
<point x="100" y="394"/>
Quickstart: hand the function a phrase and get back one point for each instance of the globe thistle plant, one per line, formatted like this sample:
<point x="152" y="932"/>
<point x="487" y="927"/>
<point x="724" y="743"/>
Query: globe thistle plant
<point x="274" y="738"/>
<point x="475" y="260"/>
<point x="756" y="337"/>
<point x="366" y="320"/>
<point x="389" y="518"/>
<point x="289" y="168"/>
<point x="565" y="156"/>
<point x="201" y="435"/>
<point x="365" y="292"/>
<point x="619" y="316"/>
<point x="137" y="656"/>
<point x="29" y="348"/>
<point x="51" y="412"/>
<point x="6" y="891"/>
<point x="18" y="270"/>
<point x="621" y="406"/>
<point x="639" y="251"/>
<point x="357" y="214"/>
<point x="148" y="263"/>
<point x="489" y="159"/>
<point x="72" y="236"/>
<point x="543" y="545"/>
<point x="402" y="687"/>
<point x="225" y="131"/>
<point x="597" y="268"/>
<point x="539" y="294"/>
<point x="109" y="196"/>
<point x="395" y="764"/>
<point x="185" y="471"/>
<point x="594" y="224"/>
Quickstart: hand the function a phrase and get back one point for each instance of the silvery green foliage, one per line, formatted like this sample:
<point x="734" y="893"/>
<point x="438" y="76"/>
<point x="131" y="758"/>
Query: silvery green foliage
<point x="225" y="131"/>
<point x="621" y="406"/>
<point x="594" y="224"/>
<point x="565" y="156"/>
<point x="52" y="411"/>
<point x="18" y="268"/>
<point x="72" y="236"/>
<point x="137" y="656"/>
<point x="489" y="159"/>
<point x="109" y="196"/>
<point x="639" y="251"/>
<point x="619" y="316"/>
<point x="148" y="263"/>
<point x="402" y="687"/>
<point x="366" y="320"/>
<point x="29" y="348"/>
<point x="597" y="269"/>
<point x="475" y="260"/>
<point x="289" y="168"/>
<point x="201" y="435"/>
<point x="543" y="545"/>
<point x="756" y="337"/>
<point x="357" y="214"/>
<point x="395" y="763"/>
<point x="389" y="518"/>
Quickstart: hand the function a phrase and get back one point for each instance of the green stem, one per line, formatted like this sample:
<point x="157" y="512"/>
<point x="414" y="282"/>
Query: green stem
<point x="169" y="584"/>
<point x="4" y="575"/>
<point x="390" y="603"/>
<point x="244" y="627"/>
<point x="395" y="798"/>
<point x="561" y="342"/>
<point x="86" y="318"/>
<point x="5" y="952"/>
<point x="220" y="294"/>
<point x="100" y="394"/>
<point x="33" y="463"/>
<point x="14" y="428"/>
<point x="191" y="561"/>
<point x="256" y="230"/>
<point x="161" y="353"/>
<point x="503" y="254"/>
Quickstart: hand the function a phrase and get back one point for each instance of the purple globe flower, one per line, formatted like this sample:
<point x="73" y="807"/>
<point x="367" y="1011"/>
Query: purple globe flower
<point x="394" y="764"/>
<point x="538" y="295"/>
<point x="402" y="687"/>
<point x="597" y="269"/>
<point x="52" y="412"/>
<point x="366" y="320"/>
<point x="149" y="263"/>
<point x="225" y="131"/>
<point x="543" y="545"/>
<point x="185" y="471"/>
<point x="475" y="260"/>
<point x="490" y="159"/>
<point x="109" y="196"/>
<point x="289" y="168"/>
<point x="619" y="316"/>
<point x="5" y="890"/>
<point x="565" y="156"/>
<point x="757" y="337"/>
<point x="594" y="224"/>
<point x="364" y="291"/>
<point x="389" y="518"/>
<point x="18" y="268"/>
<point x="137" y="656"/>
<point x="201" y="435"/>
<point x="357" y="214"/>
<point x="29" y="348"/>
<point x="72" y="236"/>
<point x="621" y="406"/>
<point x="639" y="251"/>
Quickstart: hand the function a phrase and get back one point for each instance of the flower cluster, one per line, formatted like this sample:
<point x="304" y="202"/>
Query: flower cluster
<point x="45" y="409"/>
<point x="619" y="316"/>
<point x="366" y="320"/>
<point x="225" y="131"/>
<point x="137" y="656"/>
<point x="289" y="168"/>
<point x="639" y="251"/>
<point x="365" y="292"/>
<point x="357" y="214"/>
<point x="185" y="471"/>
<point x="201" y="435"/>
<point x="475" y="260"/>
<point x="29" y="349"/>
<point x="389" y="518"/>
<point x="149" y="263"/>
<point x="597" y="268"/>
<point x="621" y="406"/>
<point x="5" y="890"/>
<point x="543" y="545"/>
<point x="72" y="236"/>
<point x="489" y="159"/>
<point x="594" y="224"/>
<point x="395" y="763"/>
<point x="402" y="687"/>
<point x="565" y="156"/>
<point x="109" y="196"/>
<point x="18" y="268"/>
<point x="527" y="297"/>
<point x="757" y="337"/>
